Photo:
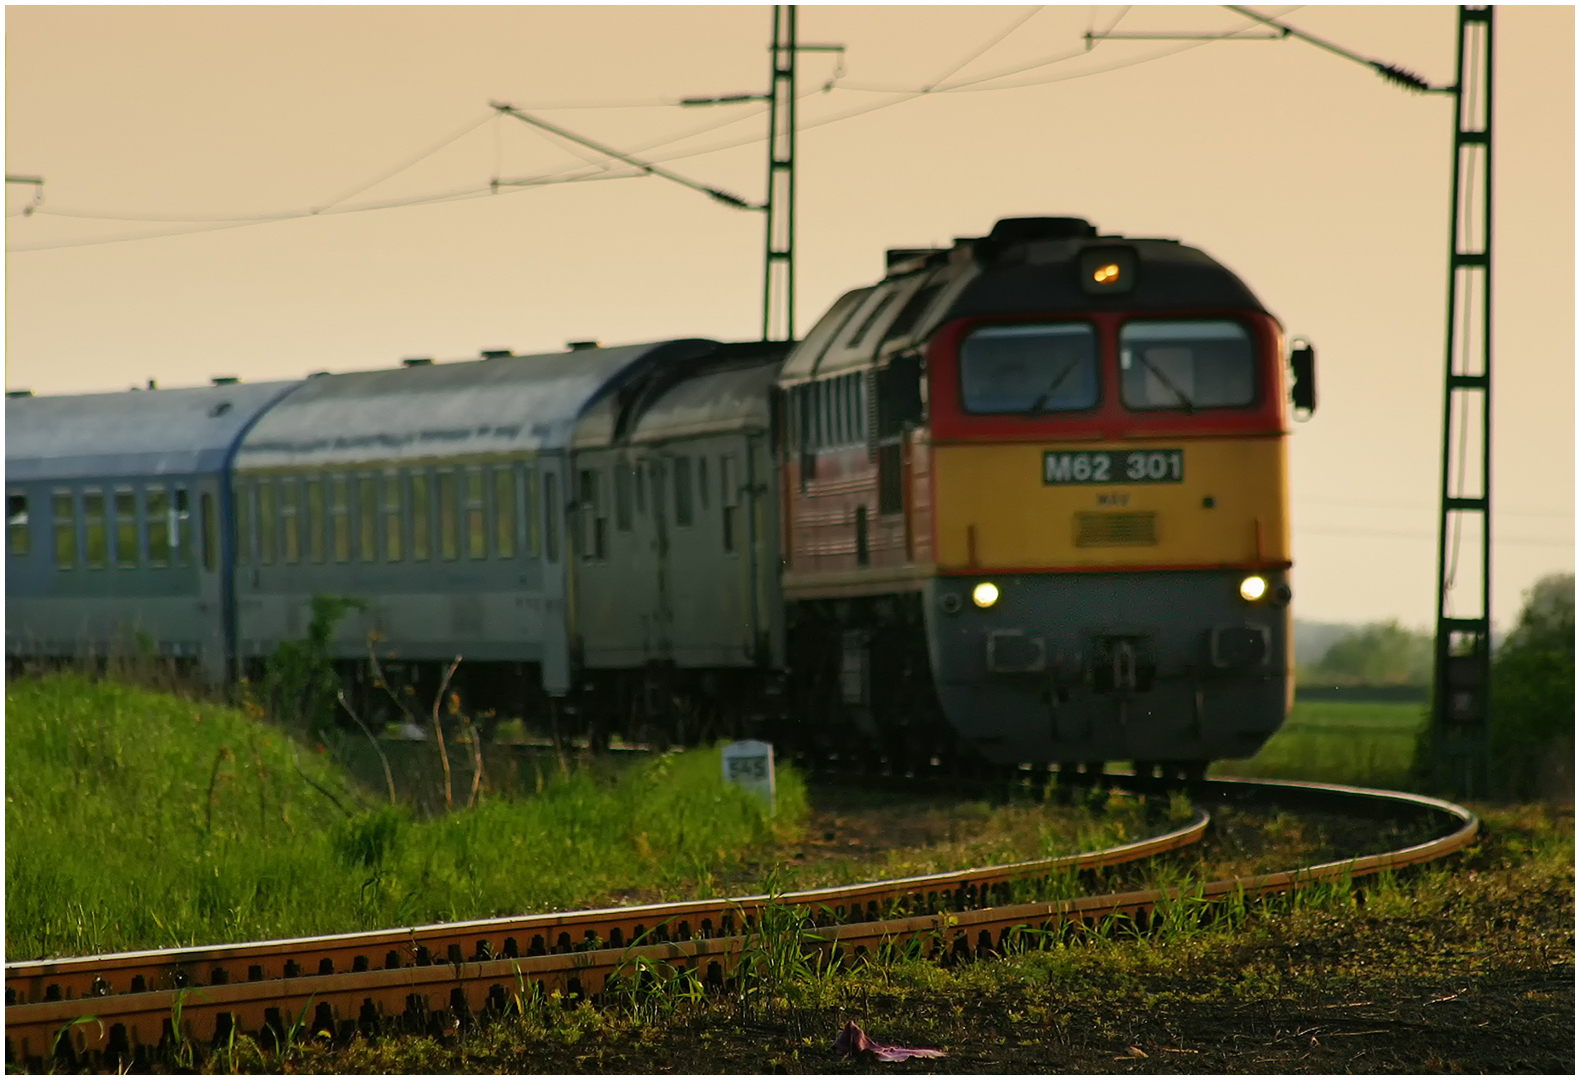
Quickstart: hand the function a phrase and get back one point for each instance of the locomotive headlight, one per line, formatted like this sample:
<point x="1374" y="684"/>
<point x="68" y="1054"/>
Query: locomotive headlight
<point x="985" y="595"/>
<point x="1254" y="587"/>
<point x="1106" y="273"/>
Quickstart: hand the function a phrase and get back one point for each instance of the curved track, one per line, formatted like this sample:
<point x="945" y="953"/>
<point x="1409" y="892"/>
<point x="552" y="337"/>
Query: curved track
<point x="116" y="1009"/>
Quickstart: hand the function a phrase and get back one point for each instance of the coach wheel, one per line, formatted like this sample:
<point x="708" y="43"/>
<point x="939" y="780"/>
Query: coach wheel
<point x="1146" y="768"/>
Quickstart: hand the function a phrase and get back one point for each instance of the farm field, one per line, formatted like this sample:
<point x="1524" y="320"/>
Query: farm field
<point x="1340" y="742"/>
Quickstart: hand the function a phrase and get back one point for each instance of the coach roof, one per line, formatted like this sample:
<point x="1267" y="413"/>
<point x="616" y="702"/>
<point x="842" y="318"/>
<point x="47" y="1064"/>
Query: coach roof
<point x="130" y="434"/>
<point x="500" y="405"/>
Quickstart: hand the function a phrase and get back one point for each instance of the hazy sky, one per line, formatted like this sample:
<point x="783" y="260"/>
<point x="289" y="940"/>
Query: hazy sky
<point x="1323" y="186"/>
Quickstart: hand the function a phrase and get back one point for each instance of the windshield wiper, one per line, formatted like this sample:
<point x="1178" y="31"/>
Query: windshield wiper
<point x="1036" y="406"/>
<point x="1190" y="406"/>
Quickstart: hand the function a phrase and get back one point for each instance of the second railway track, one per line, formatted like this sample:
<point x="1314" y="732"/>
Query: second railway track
<point x="121" y="1008"/>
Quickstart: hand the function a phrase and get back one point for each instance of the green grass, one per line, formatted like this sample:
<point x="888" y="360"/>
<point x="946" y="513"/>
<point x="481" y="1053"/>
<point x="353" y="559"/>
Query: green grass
<point x="1342" y="742"/>
<point x="136" y="819"/>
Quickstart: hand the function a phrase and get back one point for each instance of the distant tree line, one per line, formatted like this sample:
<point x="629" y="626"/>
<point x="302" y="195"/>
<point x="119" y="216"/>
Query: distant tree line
<point x="1378" y="654"/>
<point x="1532" y="728"/>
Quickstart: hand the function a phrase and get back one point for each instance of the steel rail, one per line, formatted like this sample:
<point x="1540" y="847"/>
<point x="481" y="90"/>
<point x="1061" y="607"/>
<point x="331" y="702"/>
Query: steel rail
<point x="434" y="995"/>
<point x="31" y="982"/>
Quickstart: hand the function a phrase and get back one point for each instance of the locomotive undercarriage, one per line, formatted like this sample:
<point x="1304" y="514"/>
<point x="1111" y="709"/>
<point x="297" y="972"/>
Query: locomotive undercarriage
<point x="862" y="697"/>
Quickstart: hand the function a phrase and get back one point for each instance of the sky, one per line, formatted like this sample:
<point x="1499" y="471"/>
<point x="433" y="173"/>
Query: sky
<point x="259" y="192"/>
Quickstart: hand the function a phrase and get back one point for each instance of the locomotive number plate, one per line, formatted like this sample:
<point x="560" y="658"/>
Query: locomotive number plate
<point x="1113" y="466"/>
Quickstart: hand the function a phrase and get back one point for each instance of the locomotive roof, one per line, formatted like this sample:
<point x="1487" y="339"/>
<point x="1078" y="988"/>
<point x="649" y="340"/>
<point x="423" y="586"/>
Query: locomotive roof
<point x="144" y="433"/>
<point x="501" y="404"/>
<point x="1013" y="272"/>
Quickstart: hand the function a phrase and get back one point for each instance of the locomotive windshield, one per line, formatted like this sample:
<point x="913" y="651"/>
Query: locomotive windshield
<point x="1186" y="365"/>
<point x="1029" y="369"/>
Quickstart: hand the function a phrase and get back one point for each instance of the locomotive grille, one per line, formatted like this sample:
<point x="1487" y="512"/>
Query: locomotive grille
<point x="1116" y="530"/>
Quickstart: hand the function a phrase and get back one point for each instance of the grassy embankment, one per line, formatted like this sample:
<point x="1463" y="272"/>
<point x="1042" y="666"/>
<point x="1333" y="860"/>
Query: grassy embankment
<point x="1339" y="742"/>
<point x="136" y="819"/>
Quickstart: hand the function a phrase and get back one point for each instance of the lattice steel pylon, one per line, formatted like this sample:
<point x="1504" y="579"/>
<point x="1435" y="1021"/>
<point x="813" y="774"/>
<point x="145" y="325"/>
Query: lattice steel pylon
<point x="1463" y="651"/>
<point x="779" y="244"/>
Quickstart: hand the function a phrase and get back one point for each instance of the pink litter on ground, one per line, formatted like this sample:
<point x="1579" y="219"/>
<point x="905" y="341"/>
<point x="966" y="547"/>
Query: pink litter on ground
<point x="853" y="1041"/>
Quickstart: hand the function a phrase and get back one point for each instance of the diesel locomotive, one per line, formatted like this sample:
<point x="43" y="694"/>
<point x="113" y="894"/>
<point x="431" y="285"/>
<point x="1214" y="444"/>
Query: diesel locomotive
<point x="1024" y="500"/>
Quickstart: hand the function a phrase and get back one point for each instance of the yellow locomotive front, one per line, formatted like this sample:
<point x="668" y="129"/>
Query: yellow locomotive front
<point x="1106" y="426"/>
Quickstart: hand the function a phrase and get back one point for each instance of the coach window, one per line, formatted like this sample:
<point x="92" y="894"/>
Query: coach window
<point x="340" y="515"/>
<point x="290" y="529"/>
<point x="367" y="519"/>
<point x="208" y="526"/>
<point x="183" y="521"/>
<point x="594" y="532"/>
<point x="126" y="528"/>
<point x="394" y="520"/>
<point x="476" y="515"/>
<point x="449" y="523"/>
<point x="65" y="506"/>
<point x="241" y="496"/>
<point x="268" y="526"/>
<point x="18" y="539"/>
<point x="505" y="511"/>
<point x="551" y="517"/>
<point x="315" y="518"/>
<point x="1186" y="365"/>
<point x="421" y="517"/>
<point x="702" y="481"/>
<point x="97" y="542"/>
<point x="1029" y="369"/>
<point x="529" y="500"/>
<point x="157" y="522"/>
<point x="682" y="491"/>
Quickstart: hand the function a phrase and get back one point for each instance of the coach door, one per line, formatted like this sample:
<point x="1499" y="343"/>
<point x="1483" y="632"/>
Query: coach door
<point x="213" y="601"/>
<point x="760" y="499"/>
<point x="659" y="615"/>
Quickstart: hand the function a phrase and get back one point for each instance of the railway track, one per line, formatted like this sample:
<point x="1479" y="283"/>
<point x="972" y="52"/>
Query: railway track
<point x="127" y="1008"/>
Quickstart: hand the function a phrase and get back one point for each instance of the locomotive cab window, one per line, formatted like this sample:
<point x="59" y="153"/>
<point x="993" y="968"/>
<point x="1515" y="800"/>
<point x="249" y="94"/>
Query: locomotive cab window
<point x="1050" y="367"/>
<point x="1186" y="365"/>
